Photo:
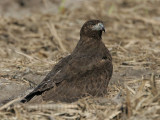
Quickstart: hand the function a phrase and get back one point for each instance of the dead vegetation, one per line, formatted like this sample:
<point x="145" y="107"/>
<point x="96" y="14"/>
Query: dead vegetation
<point x="30" y="46"/>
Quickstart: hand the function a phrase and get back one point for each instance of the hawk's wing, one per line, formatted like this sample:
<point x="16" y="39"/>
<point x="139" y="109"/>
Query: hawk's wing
<point x="46" y="83"/>
<point x="73" y="67"/>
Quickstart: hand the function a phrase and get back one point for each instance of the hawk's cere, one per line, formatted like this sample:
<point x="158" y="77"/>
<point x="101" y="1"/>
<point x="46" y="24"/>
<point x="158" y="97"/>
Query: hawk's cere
<point x="86" y="71"/>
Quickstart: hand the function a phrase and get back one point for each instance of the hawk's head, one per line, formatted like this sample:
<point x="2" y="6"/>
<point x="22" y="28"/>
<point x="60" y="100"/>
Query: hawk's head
<point x="92" y="28"/>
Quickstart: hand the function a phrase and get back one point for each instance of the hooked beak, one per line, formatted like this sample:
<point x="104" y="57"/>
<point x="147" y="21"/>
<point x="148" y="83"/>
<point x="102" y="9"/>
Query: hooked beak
<point x="103" y="29"/>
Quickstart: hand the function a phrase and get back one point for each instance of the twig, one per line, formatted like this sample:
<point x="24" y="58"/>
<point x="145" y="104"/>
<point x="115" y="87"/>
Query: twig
<point x="153" y="84"/>
<point x="31" y="57"/>
<point x="53" y="31"/>
<point x="9" y="103"/>
<point x="52" y="106"/>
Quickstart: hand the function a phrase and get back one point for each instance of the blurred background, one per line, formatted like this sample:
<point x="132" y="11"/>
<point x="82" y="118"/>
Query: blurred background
<point x="24" y="8"/>
<point x="36" y="34"/>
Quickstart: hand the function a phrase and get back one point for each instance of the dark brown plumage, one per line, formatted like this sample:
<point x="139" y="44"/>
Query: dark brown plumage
<point x="86" y="71"/>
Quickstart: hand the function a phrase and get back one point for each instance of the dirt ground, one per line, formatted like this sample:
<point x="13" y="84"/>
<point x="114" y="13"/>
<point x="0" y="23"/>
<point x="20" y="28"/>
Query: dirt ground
<point x="35" y="35"/>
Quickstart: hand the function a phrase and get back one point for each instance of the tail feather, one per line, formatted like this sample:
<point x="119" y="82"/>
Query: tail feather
<point x="30" y="96"/>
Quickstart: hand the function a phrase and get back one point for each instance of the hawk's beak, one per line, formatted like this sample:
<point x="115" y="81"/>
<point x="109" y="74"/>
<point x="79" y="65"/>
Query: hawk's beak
<point x="103" y="29"/>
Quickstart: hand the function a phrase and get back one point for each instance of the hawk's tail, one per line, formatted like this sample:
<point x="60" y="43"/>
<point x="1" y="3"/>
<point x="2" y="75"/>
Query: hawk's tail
<point x="30" y="96"/>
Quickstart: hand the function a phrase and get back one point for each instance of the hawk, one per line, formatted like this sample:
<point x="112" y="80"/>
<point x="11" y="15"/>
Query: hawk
<point x="86" y="71"/>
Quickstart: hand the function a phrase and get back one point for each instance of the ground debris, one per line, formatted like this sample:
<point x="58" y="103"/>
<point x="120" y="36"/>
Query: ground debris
<point x="30" y="46"/>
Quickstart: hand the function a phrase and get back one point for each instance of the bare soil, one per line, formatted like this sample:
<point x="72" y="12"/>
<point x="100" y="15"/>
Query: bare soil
<point x="35" y="35"/>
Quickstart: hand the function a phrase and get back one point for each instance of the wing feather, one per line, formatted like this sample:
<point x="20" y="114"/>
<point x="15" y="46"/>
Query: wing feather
<point x="67" y="70"/>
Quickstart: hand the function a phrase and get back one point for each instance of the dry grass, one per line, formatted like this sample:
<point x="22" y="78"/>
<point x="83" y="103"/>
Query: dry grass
<point x="29" y="48"/>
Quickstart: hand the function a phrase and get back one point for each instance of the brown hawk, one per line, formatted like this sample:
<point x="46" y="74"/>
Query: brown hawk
<point x="86" y="71"/>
